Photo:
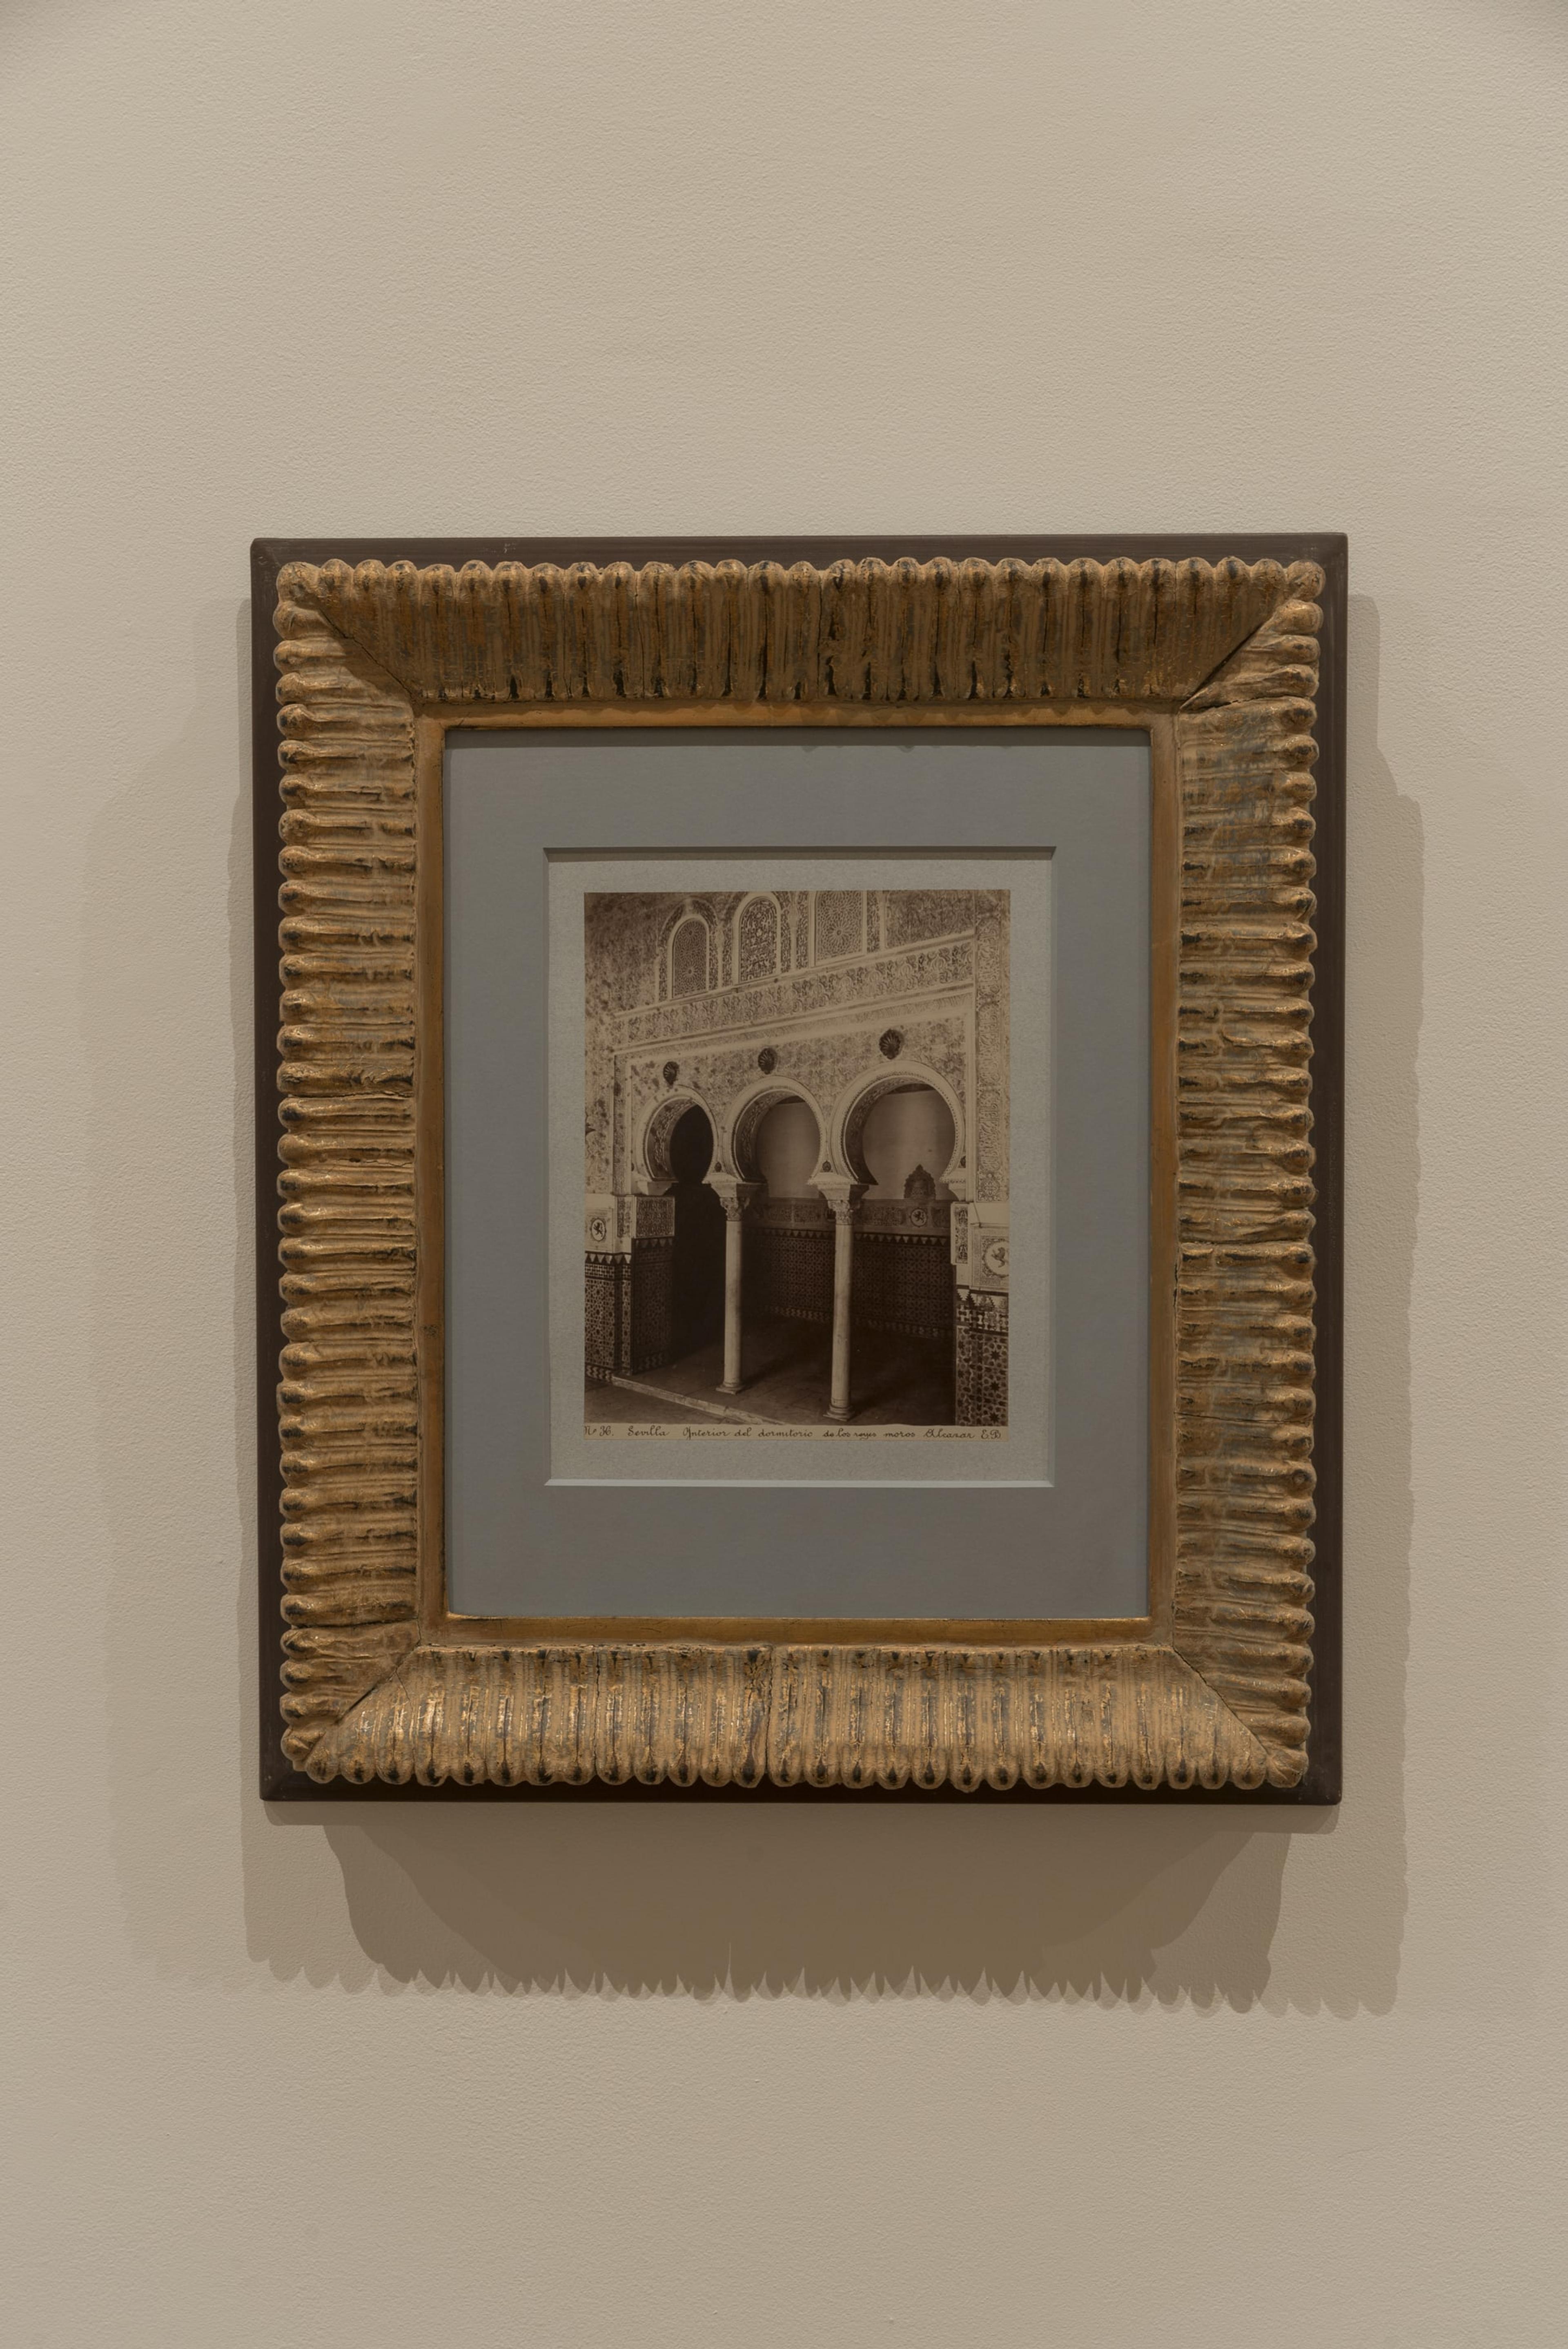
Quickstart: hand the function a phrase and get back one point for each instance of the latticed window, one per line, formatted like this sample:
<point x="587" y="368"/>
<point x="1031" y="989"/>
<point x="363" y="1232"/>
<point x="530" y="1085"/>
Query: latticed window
<point x="688" y="958"/>
<point x="841" y="924"/>
<point x="758" y="939"/>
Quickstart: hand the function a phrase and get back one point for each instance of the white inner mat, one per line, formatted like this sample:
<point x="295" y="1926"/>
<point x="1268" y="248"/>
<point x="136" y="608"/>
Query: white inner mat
<point x="732" y="1451"/>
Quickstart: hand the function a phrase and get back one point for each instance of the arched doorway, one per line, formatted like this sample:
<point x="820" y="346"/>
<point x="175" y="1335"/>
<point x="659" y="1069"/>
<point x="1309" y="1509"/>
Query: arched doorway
<point x="899" y="1133"/>
<point x="774" y="1138"/>
<point x="907" y="1143"/>
<point x="789" y="1245"/>
<point x="698" y="1272"/>
<point x="924" y="1115"/>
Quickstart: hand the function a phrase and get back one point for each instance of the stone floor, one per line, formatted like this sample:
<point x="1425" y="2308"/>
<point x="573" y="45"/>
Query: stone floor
<point x="895" y="1382"/>
<point x="616" y="1406"/>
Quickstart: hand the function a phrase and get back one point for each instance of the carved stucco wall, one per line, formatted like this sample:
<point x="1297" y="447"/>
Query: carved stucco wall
<point x="989" y="1143"/>
<point x="823" y="1064"/>
<point x="869" y="981"/>
<point x="899" y="918"/>
<point x="910" y="915"/>
<point x="622" y="936"/>
<point x="947" y="999"/>
<point x="758" y="940"/>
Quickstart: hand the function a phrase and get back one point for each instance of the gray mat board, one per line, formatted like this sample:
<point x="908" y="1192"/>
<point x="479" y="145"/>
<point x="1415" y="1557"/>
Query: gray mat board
<point x="517" y="1544"/>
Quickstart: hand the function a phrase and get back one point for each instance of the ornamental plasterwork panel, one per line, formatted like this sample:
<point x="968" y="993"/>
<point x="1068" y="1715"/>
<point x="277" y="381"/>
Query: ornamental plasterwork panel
<point x="624" y="933"/>
<point x="840" y="925"/>
<point x="724" y="908"/>
<point x="744" y="1016"/>
<point x="817" y="1063"/>
<point x="921" y="1218"/>
<point x="640" y="953"/>
<point x="992" y="1042"/>
<point x="648" y="1218"/>
<point x="598" y="1137"/>
<point x="989" y="1141"/>
<point x="823" y="1064"/>
<point x="688" y="957"/>
<point x="820" y="1064"/>
<point x="641" y="975"/>
<point x="925" y="970"/>
<point x="787" y="899"/>
<point x="758" y="940"/>
<point x="813" y="1214"/>
<point x="914" y="914"/>
<point x="917" y="1215"/>
<point x="981" y="1254"/>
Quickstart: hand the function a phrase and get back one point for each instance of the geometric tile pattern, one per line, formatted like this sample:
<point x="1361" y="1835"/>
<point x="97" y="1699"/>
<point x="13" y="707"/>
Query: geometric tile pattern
<point x="980" y="1362"/>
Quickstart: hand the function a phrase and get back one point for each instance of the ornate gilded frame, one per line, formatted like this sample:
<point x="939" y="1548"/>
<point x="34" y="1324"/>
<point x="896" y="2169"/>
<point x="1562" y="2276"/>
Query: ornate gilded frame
<point x="1220" y="650"/>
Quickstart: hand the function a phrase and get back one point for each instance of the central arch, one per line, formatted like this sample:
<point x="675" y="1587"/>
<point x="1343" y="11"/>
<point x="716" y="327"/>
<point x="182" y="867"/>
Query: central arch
<point x="775" y="1238"/>
<point x="737" y="1149"/>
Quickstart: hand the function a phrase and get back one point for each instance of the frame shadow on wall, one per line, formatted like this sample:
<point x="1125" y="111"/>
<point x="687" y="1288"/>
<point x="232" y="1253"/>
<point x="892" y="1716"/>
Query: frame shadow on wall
<point x="940" y="1898"/>
<point x="845" y="1897"/>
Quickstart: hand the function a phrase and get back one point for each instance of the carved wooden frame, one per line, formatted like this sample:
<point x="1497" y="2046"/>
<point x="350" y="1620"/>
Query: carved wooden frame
<point x="1214" y="650"/>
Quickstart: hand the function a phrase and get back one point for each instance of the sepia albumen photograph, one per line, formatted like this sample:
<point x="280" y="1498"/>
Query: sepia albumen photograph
<point x="796" y="1136"/>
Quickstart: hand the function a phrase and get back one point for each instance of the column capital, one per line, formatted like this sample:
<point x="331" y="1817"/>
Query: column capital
<point x="842" y="1194"/>
<point x="733" y="1193"/>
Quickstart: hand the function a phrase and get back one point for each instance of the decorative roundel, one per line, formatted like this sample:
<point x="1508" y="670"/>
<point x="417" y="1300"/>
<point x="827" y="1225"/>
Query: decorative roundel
<point x="920" y="1217"/>
<point x="997" y="1259"/>
<point x="889" y="1043"/>
<point x="672" y="1070"/>
<point x="767" y="1060"/>
<point x="598" y="1227"/>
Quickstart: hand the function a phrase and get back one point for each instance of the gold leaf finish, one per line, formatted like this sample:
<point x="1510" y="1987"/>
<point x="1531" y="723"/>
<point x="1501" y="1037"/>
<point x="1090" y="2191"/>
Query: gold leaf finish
<point x="1224" y="654"/>
<point x="821" y="1716"/>
<point x="906" y="632"/>
<point x="1244" y="1280"/>
<point x="346" y="1400"/>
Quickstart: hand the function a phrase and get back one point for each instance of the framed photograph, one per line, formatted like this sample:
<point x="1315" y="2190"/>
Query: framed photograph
<point x="798" y="1168"/>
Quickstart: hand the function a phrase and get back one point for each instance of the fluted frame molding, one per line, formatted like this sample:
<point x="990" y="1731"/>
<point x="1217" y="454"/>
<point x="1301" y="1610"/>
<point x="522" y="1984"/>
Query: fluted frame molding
<point x="379" y="1683"/>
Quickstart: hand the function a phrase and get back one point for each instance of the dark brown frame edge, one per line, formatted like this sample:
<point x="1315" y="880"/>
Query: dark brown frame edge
<point x="1323" y="1784"/>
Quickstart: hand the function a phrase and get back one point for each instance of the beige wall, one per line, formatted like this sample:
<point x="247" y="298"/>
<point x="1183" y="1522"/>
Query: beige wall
<point x="772" y="2076"/>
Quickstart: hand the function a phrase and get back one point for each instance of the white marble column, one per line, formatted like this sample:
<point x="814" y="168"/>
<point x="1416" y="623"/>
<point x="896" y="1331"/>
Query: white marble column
<point x="843" y="1197"/>
<point x="734" y="1194"/>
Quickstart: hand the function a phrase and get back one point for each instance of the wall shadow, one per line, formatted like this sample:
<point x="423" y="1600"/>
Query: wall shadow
<point x="807" y="1900"/>
<point x="1151" y="1905"/>
<point x="1141" y="1904"/>
<point x="172" y="1411"/>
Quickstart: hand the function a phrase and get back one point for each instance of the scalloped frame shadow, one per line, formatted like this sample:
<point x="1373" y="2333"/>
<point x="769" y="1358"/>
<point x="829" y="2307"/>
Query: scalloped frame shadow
<point x="1227" y="650"/>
